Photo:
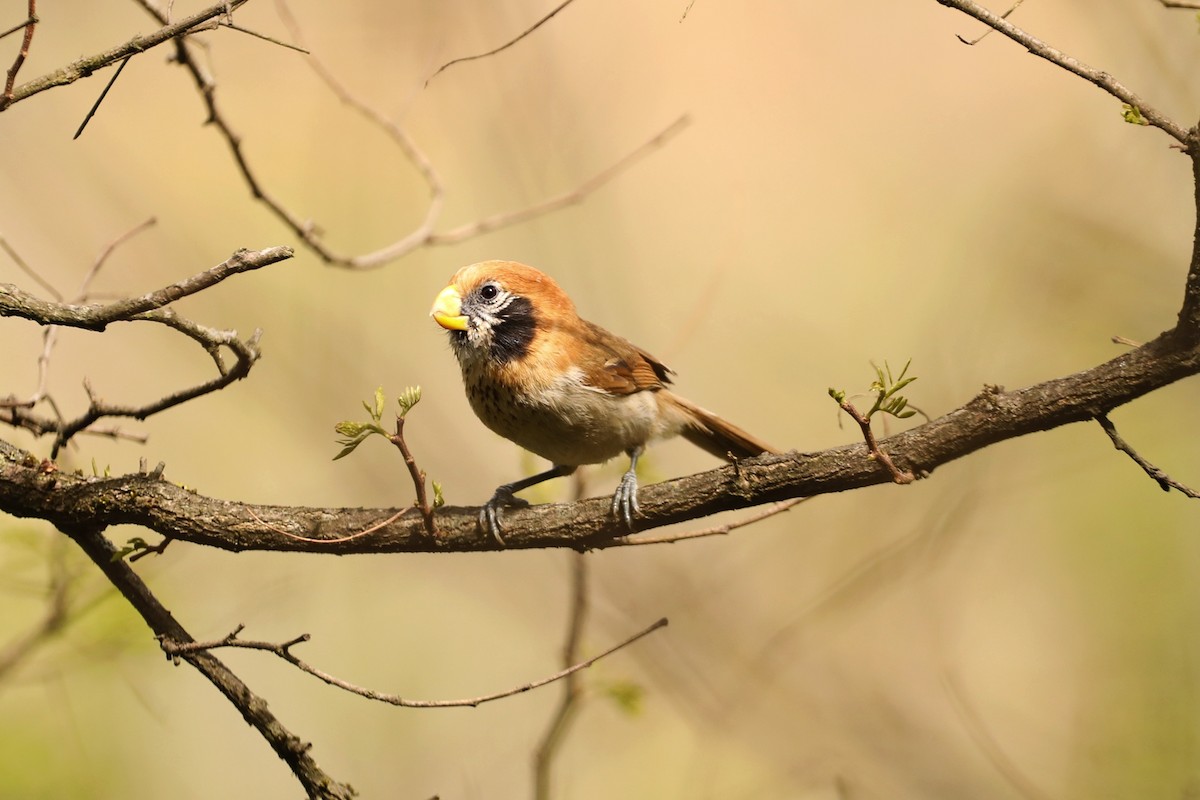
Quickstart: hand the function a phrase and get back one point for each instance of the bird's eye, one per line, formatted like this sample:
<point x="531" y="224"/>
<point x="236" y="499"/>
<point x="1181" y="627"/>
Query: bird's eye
<point x="489" y="291"/>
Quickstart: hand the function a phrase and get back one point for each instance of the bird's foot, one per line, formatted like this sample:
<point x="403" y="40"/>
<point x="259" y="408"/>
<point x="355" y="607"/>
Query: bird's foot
<point x="625" y="502"/>
<point x="490" y="514"/>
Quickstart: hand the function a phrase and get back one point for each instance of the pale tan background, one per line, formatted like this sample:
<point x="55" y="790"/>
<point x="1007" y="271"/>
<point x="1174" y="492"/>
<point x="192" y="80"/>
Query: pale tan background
<point x="856" y="185"/>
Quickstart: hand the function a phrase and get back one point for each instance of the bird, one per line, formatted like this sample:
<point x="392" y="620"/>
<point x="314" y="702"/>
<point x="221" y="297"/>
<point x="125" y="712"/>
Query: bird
<point x="563" y="388"/>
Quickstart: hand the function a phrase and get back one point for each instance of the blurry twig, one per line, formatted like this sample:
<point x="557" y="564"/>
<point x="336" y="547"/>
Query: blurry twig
<point x="504" y="46"/>
<point x="29" y="25"/>
<point x="983" y="35"/>
<point x="1165" y="481"/>
<point x="175" y="649"/>
<point x="149" y="307"/>
<point x="423" y="234"/>
<point x="987" y="743"/>
<point x="88" y="65"/>
<point x="568" y="704"/>
<point x="716" y="530"/>
<point x="1100" y="78"/>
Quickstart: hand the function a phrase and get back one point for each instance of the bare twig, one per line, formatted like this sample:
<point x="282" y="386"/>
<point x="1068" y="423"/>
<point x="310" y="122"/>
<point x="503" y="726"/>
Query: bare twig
<point x="504" y="46"/>
<point x="568" y="704"/>
<point x="295" y="752"/>
<point x="898" y="475"/>
<point x="29" y="25"/>
<point x="28" y="270"/>
<point x="987" y="32"/>
<point x="424" y="234"/>
<point x="173" y="647"/>
<point x="89" y="65"/>
<point x="349" y="537"/>
<point x="148" y="308"/>
<point x="53" y="620"/>
<point x="1055" y="56"/>
<point x="96" y="105"/>
<point x="718" y="530"/>
<point x="1192" y="4"/>
<point x="987" y="743"/>
<point x="568" y="198"/>
<point x="1165" y="481"/>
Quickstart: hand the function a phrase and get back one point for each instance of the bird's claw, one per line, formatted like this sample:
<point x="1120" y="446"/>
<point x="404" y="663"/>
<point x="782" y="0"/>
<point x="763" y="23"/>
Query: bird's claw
<point x="490" y="514"/>
<point x="625" y="502"/>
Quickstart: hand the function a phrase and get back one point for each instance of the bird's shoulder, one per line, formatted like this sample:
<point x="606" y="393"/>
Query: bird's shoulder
<point x="618" y="366"/>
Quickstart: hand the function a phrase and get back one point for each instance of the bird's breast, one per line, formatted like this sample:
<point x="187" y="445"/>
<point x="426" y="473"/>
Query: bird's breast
<point x="562" y="418"/>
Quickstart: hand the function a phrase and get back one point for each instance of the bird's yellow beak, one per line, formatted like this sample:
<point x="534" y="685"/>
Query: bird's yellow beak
<point x="447" y="310"/>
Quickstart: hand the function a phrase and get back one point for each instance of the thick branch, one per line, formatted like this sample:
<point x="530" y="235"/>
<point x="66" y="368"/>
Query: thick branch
<point x="993" y="416"/>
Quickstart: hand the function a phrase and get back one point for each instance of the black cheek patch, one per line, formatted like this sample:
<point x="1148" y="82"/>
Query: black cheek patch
<point x="514" y="332"/>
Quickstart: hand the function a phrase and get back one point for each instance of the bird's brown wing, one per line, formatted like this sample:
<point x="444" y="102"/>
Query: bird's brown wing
<point x="620" y="367"/>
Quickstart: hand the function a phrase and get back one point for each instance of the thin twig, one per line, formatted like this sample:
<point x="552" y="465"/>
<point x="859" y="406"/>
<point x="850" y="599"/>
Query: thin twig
<point x="89" y="65"/>
<point x="264" y="37"/>
<point x="96" y="105"/>
<point x="293" y="750"/>
<point x="568" y="198"/>
<point x="989" y="31"/>
<point x="1055" y="56"/>
<point x="717" y="530"/>
<point x="987" y="743"/>
<point x="148" y="308"/>
<point x="173" y="648"/>
<point x="28" y="270"/>
<point x="417" y="474"/>
<point x="502" y="47"/>
<point x="898" y="475"/>
<point x="30" y="23"/>
<point x="1165" y="481"/>
<point x="357" y="534"/>
<point x="568" y="704"/>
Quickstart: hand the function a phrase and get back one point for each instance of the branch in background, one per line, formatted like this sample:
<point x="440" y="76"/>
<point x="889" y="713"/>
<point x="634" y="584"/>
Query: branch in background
<point x="15" y="302"/>
<point x="176" y="648"/>
<point x="1165" y="481"/>
<point x="55" y="618"/>
<point x="504" y="46"/>
<point x="995" y="415"/>
<point x="29" y="25"/>
<point x="717" y="530"/>
<point x="1055" y="56"/>
<point x="84" y="67"/>
<point x="568" y="704"/>
<point x="424" y="234"/>
<point x="290" y="748"/>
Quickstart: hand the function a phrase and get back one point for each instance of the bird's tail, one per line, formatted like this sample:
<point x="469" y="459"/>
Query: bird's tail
<point x="713" y="434"/>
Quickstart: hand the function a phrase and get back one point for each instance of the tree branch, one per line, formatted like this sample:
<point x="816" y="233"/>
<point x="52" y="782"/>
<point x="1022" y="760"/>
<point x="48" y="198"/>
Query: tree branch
<point x="1055" y="56"/>
<point x="294" y="752"/>
<point x="995" y="415"/>
<point x="84" y="67"/>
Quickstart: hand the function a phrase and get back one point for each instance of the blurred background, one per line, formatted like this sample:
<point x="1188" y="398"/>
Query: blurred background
<point x="855" y="186"/>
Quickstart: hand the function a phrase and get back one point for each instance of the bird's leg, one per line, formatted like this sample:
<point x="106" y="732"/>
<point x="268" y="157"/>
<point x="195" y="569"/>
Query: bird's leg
<point x="489" y="515"/>
<point x="624" y="502"/>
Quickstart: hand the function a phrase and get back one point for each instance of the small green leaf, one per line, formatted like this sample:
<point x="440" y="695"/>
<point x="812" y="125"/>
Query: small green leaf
<point x="1133" y="115"/>
<point x="438" y="499"/>
<point x="838" y="395"/>
<point x="132" y="546"/>
<point x="409" y="398"/>
<point x="627" y="695"/>
<point x="349" y="429"/>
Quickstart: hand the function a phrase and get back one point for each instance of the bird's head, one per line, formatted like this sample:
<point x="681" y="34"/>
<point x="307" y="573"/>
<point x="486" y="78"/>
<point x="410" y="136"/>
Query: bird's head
<point x="494" y="310"/>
